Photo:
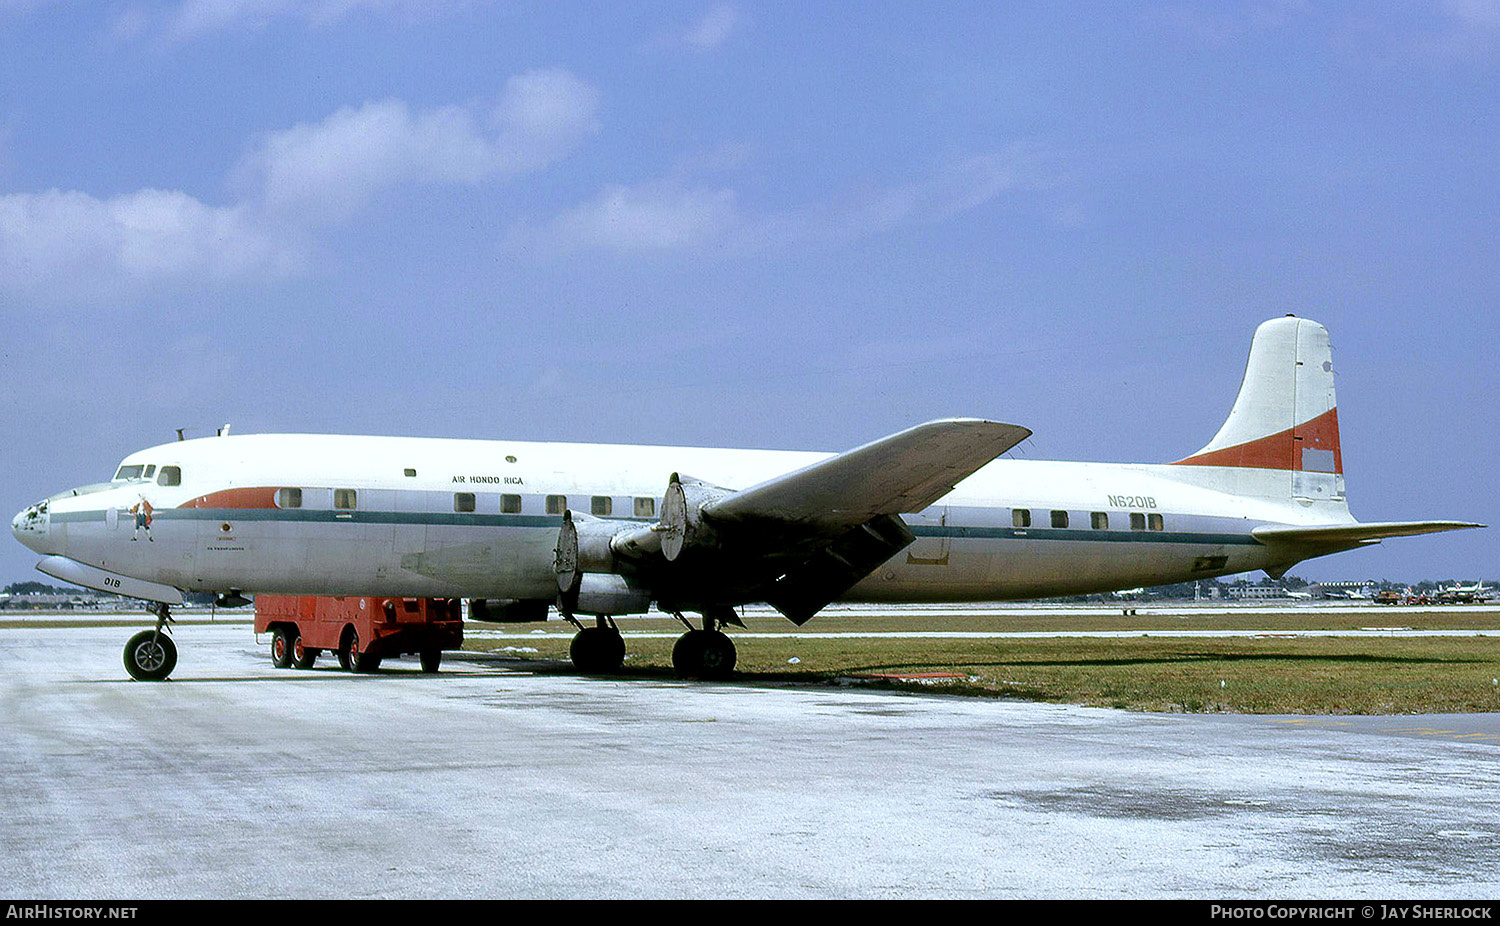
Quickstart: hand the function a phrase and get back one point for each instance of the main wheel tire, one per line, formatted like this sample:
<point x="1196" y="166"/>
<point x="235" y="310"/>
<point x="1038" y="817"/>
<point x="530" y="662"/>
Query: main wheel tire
<point x="687" y="654"/>
<point x="705" y="654"/>
<point x="717" y="656"/>
<point x="282" y="646"/>
<point x="597" y="650"/>
<point x="150" y="656"/>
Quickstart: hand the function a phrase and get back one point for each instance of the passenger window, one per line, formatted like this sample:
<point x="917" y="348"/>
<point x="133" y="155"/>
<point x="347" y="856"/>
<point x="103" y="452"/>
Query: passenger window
<point x="1137" y="521"/>
<point x="463" y="502"/>
<point x="1020" y="517"/>
<point x="557" y="504"/>
<point x="601" y="505"/>
<point x="1099" y="520"/>
<point x="170" y="476"/>
<point x="1156" y="522"/>
<point x="510" y="504"/>
<point x="1059" y="519"/>
<point x="288" y="498"/>
<point x="344" y="498"/>
<point x="645" y="507"/>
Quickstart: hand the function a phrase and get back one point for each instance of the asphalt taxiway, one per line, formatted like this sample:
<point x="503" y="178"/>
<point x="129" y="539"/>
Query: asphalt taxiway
<point x="235" y="779"/>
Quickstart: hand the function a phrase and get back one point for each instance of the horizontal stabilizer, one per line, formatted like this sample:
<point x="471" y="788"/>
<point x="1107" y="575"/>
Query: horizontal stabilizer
<point x="904" y="472"/>
<point x="1353" y="534"/>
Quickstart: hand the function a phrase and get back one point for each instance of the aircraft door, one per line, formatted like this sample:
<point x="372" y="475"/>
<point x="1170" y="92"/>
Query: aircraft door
<point x="931" y="547"/>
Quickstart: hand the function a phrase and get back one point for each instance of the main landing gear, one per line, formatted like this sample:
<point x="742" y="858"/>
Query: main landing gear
<point x="150" y="656"/>
<point x="596" y="650"/>
<point x="708" y="653"/>
<point x="705" y="653"/>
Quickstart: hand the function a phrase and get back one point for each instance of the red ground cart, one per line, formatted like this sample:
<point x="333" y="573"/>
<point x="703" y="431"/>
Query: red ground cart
<point x="363" y="631"/>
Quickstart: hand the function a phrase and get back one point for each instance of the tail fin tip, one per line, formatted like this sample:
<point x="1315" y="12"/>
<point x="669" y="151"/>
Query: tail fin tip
<point x="1285" y="416"/>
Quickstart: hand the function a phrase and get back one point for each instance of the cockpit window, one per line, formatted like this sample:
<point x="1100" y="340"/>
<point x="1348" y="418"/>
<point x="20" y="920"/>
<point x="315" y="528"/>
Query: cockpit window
<point x="170" y="476"/>
<point x="130" y="472"/>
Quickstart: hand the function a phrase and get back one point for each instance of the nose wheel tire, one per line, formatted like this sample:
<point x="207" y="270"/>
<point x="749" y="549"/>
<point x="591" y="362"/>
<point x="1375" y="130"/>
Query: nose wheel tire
<point x="150" y="656"/>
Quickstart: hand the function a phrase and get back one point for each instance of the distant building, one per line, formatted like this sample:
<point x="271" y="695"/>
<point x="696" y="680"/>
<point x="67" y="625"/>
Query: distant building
<point x="1257" y="591"/>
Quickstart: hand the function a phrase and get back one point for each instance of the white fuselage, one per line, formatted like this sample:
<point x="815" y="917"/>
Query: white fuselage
<point x="339" y="515"/>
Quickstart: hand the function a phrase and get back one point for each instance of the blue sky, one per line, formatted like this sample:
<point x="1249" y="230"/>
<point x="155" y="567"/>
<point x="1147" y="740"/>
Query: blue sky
<point x="770" y="225"/>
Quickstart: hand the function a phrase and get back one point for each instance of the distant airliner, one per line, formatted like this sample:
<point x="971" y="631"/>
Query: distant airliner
<point x="1478" y="593"/>
<point x="925" y="515"/>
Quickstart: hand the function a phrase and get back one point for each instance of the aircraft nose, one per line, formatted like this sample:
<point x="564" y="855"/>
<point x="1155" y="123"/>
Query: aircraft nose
<point x="30" y="526"/>
<point x="16" y="525"/>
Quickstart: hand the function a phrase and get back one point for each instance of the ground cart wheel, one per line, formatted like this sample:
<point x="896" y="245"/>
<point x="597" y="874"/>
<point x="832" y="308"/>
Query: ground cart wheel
<point x="303" y="656"/>
<point x="281" y="648"/>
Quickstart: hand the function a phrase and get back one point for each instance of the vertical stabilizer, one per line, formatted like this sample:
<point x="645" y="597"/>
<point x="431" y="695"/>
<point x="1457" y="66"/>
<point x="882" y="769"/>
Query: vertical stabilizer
<point x="1281" y="438"/>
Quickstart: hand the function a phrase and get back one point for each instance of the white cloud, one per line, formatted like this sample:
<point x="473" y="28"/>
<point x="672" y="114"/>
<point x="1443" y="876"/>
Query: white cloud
<point x="711" y="30"/>
<point x="195" y="18"/>
<point x="327" y="170"/>
<point x="657" y="216"/>
<point x="81" y="245"/>
<point x="714" y="28"/>
<point x="74" y="244"/>
<point x="1471" y="32"/>
<point x="23" y="6"/>
<point x="666" y="215"/>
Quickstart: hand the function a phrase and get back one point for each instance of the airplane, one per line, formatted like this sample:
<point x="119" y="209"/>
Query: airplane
<point x="929" y="514"/>
<point x="1362" y="593"/>
<point x="1478" y="593"/>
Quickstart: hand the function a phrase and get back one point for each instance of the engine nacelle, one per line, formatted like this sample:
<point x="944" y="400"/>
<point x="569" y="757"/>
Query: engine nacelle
<point x="605" y="593"/>
<point x="681" y="523"/>
<point x="588" y="570"/>
<point x="604" y="546"/>
<point x="585" y="545"/>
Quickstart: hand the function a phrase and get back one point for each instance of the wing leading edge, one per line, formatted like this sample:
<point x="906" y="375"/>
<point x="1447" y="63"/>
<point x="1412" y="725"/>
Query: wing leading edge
<point x="902" y="473"/>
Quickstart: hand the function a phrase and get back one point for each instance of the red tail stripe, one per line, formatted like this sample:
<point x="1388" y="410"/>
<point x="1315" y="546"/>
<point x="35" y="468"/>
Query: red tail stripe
<point x="1281" y="450"/>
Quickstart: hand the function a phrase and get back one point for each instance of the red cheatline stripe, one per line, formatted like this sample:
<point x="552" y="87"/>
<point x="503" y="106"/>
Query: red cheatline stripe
<point x="1282" y="450"/>
<point x="235" y="498"/>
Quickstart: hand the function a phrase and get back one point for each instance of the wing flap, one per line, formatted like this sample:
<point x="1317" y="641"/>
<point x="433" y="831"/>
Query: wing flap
<point x="904" y="472"/>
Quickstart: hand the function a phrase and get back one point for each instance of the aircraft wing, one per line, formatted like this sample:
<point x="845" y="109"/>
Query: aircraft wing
<point x="904" y="472"/>
<point x="802" y="539"/>
<point x="1353" y="534"/>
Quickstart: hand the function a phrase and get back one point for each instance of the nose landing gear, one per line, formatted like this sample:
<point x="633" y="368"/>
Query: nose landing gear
<point x="150" y="656"/>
